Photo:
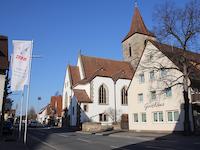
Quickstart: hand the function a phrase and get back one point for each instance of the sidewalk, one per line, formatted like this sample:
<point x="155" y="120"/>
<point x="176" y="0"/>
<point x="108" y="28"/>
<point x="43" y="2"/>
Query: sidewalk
<point x="141" y="135"/>
<point x="10" y="142"/>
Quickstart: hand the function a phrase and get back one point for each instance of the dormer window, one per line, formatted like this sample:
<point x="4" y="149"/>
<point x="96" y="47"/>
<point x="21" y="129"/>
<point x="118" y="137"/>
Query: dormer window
<point x="130" y="51"/>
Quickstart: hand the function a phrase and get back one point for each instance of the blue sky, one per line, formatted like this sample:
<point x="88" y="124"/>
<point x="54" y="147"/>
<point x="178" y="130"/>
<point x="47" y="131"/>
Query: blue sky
<point x="60" y="28"/>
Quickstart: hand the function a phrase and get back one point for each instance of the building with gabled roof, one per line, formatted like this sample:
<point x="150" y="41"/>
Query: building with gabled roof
<point x="94" y="87"/>
<point x="156" y="89"/>
<point x="3" y="65"/>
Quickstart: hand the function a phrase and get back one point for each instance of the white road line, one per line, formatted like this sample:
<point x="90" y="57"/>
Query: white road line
<point x="83" y="140"/>
<point x="45" y="143"/>
<point x="66" y="136"/>
<point x="115" y="147"/>
<point x="161" y="148"/>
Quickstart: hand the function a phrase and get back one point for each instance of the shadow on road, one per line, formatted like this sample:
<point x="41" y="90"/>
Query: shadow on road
<point x="172" y="141"/>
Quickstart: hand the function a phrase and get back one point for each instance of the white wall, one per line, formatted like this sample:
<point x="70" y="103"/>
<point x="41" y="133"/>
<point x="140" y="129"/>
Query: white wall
<point x="2" y="84"/>
<point x="175" y="102"/>
<point x="94" y="108"/>
<point x="67" y="92"/>
<point x="42" y="116"/>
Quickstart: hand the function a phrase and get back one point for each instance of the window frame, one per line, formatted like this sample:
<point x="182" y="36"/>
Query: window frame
<point x="103" y="117"/>
<point x="153" y="99"/>
<point x="134" y="117"/>
<point x="173" y="116"/>
<point x="141" y="78"/>
<point x="124" y="96"/>
<point x="157" y="114"/>
<point x="150" y="75"/>
<point x="102" y="95"/>
<point x="166" y="92"/>
<point x="140" y="95"/>
<point x="143" y="113"/>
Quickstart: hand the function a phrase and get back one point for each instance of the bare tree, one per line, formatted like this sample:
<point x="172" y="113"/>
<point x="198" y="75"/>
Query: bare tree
<point x="32" y="114"/>
<point x="180" y="26"/>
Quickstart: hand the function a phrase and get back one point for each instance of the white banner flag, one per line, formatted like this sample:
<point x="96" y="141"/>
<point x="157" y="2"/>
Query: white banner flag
<point x="21" y="59"/>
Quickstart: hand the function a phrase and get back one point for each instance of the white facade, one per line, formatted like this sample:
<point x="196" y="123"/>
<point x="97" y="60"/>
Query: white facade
<point x="42" y="117"/>
<point x="2" y="84"/>
<point x="164" y="109"/>
<point x="94" y="108"/>
<point x="67" y="92"/>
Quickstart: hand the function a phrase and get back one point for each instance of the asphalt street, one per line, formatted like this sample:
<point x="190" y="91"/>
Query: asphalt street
<point x="55" y="139"/>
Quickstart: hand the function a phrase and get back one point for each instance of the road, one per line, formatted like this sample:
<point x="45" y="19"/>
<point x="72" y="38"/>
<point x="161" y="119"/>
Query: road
<point x="52" y="139"/>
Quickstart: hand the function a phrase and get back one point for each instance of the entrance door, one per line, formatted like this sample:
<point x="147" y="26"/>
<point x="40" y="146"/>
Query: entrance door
<point x="124" y="121"/>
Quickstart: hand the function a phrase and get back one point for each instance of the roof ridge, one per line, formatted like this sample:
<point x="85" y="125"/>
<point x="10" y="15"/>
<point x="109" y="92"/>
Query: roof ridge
<point x="188" y="51"/>
<point x="109" y="59"/>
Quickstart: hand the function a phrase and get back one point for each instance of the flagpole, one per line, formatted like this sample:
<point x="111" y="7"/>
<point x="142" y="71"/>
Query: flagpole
<point x="27" y="100"/>
<point x="20" y="121"/>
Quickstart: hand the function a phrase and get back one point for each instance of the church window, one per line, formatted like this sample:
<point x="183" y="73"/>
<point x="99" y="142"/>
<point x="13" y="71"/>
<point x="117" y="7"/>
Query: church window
<point x="130" y="51"/>
<point x="124" y="96"/>
<point x="102" y="95"/>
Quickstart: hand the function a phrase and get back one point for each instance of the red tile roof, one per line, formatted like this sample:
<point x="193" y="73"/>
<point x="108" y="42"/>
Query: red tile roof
<point x="75" y="74"/>
<point x="174" y="54"/>
<point x="56" y="104"/>
<point x="3" y="53"/>
<point x="137" y="25"/>
<point x="81" y="96"/>
<point x="94" y="66"/>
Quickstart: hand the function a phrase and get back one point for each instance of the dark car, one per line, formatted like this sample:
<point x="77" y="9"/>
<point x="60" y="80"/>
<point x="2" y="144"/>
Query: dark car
<point x="7" y="127"/>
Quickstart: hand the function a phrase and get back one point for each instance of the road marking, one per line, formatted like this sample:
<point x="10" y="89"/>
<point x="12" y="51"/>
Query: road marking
<point x="45" y="143"/>
<point x="115" y="147"/>
<point x="161" y="148"/>
<point x="66" y="136"/>
<point x="83" y="140"/>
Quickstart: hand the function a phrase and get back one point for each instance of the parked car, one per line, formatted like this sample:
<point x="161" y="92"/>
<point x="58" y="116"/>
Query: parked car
<point x="33" y="124"/>
<point x="7" y="127"/>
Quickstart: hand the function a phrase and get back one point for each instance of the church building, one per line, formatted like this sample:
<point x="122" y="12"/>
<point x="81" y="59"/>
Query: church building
<point x="95" y="90"/>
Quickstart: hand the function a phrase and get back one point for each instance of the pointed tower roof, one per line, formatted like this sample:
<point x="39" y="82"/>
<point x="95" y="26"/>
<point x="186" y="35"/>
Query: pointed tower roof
<point x="137" y="25"/>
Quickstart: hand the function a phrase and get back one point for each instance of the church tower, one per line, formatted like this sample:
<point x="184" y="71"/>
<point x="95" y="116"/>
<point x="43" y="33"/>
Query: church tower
<point x="134" y="42"/>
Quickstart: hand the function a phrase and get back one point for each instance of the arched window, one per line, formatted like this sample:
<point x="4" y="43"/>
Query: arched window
<point x="102" y="95"/>
<point x="124" y="96"/>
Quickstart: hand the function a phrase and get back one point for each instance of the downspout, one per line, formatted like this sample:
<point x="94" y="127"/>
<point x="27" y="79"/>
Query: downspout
<point x="115" y="117"/>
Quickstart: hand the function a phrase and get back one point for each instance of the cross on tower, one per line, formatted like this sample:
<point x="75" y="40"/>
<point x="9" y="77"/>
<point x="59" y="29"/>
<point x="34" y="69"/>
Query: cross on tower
<point x="136" y="4"/>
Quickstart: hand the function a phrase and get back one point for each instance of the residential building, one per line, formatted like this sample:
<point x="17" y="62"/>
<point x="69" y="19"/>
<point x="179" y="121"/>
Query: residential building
<point x="3" y="65"/>
<point x="157" y="101"/>
<point x="43" y="115"/>
<point x="56" y="109"/>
